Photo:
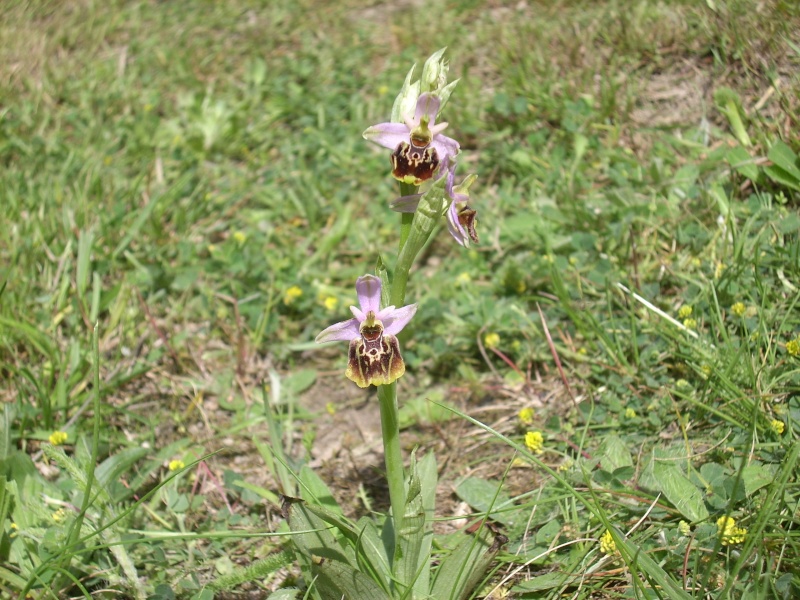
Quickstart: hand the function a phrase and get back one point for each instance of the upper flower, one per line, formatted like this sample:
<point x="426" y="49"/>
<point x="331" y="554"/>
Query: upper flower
<point x="418" y="144"/>
<point x="374" y="356"/>
<point x="460" y="217"/>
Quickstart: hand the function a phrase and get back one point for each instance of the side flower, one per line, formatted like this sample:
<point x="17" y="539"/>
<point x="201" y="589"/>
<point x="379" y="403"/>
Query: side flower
<point x="418" y="144"/>
<point x="460" y="217"/>
<point x="374" y="355"/>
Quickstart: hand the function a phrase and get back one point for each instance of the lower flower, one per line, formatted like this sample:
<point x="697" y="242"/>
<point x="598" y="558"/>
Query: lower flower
<point x="374" y="355"/>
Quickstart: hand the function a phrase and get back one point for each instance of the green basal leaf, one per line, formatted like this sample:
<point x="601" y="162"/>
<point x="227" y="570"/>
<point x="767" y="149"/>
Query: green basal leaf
<point x="483" y="495"/>
<point x="336" y="580"/>
<point x="428" y="477"/>
<point x="411" y="534"/>
<point x="466" y="566"/>
<point x="314" y="491"/>
<point x="313" y="536"/>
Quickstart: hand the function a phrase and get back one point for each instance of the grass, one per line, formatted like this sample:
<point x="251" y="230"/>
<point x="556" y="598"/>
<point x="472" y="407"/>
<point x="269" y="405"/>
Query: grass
<point x="169" y="172"/>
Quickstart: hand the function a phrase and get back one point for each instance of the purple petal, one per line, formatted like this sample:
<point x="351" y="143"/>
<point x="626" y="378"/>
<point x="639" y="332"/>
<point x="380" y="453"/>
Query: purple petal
<point x="405" y="204"/>
<point x="445" y="146"/>
<point x="427" y="105"/>
<point x="456" y="230"/>
<point x="340" y="332"/>
<point x="360" y="316"/>
<point x="388" y="135"/>
<point x="368" y="289"/>
<point x="393" y="323"/>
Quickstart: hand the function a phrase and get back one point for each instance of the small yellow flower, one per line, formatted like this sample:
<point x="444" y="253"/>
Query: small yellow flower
<point x="706" y="371"/>
<point x="738" y="309"/>
<point x="730" y="534"/>
<point x="690" y="323"/>
<point x="793" y="347"/>
<point x="682" y="383"/>
<point x="240" y="237"/>
<point x="583" y="351"/>
<point x="566" y="465"/>
<point x="684" y="311"/>
<point x="292" y="294"/>
<point x="176" y="465"/>
<point x="630" y="413"/>
<point x="330" y="303"/>
<point x="573" y="260"/>
<point x="684" y="528"/>
<point x="58" y="438"/>
<point x="212" y="248"/>
<point x="59" y="515"/>
<point x="491" y="340"/>
<point x="14" y="530"/>
<point x="777" y="426"/>
<point x="607" y="543"/>
<point x="526" y="416"/>
<point x="383" y="90"/>
<point x="696" y="262"/>
<point x="518" y="463"/>
<point x="719" y="269"/>
<point x="330" y="407"/>
<point x="534" y="441"/>
<point x="464" y="278"/>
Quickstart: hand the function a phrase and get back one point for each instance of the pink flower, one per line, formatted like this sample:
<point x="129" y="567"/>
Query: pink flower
<point x="418" y="144"/>
<point x="374" y="354"/>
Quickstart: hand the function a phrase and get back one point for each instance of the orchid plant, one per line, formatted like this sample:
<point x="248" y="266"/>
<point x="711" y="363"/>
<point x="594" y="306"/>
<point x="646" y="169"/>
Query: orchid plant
<point x="368" y="560"/>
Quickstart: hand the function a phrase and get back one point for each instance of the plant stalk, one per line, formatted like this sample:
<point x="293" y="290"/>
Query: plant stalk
<point x="390" y="428"/>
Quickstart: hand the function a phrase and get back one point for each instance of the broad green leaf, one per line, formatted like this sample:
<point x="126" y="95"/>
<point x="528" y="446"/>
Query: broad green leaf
<point x="614" y="454"/>
<point x="314" y="491"/>
<point x="411" y="533"/>
<point x="285" y="594"/>
<point x="108" y="471"/>
<point x="739" y="158"/>
<point x="313" y="536"/>
<point x="548" y="581"/>
<point x="681" y="492"/>
<point x="336" y="580"/>
<point x="756" y="477"/>
<point x="782" y="156"/>
<point x="466" y="566"/>
<point x="428" y="478"/>
<point x="480" y="494"/>
<point x="778" y="175"/>
<point x="300" y="381"/>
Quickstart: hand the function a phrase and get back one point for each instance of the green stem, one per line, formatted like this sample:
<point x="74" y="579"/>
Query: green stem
<point x="406" y="189"/>
<point x="390" y="427"/>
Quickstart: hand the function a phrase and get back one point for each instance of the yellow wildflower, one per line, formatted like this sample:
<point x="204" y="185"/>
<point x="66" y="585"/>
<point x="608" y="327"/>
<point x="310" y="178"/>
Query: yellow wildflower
<point x="534" y="441"/>
<point x="681" y="383"/>
<point x="176" y="465"/>
<point x="684" y="528"/>
<point x="240" y="237"/>
<point x="292" y="294"/>
<point x="464" y="278"/>
<point x="630" y="413"/>
<point x="330" y="408"/>
<point x="526" y="416"/>
<point x="690" y="323"/>
<point x="14" y="530"/>
<point x="730" y="534"/>
<point x="58" y="437"/>
<point x="777" y="426"/>
<point x="607" y="543"/>
<point x="330" y="303"/>
<point x="518" y="463"/>
<point x="684" y="311"/>
<point x="793" y="347"/>
<point x="706" y="371"/>
<point x="738" y="309"/>
<point x="59" y="515"/>
<point x="491" y="340"/>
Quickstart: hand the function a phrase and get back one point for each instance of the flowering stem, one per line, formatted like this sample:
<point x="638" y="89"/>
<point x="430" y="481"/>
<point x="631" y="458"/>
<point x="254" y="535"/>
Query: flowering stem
<point x="390" y="427"/>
